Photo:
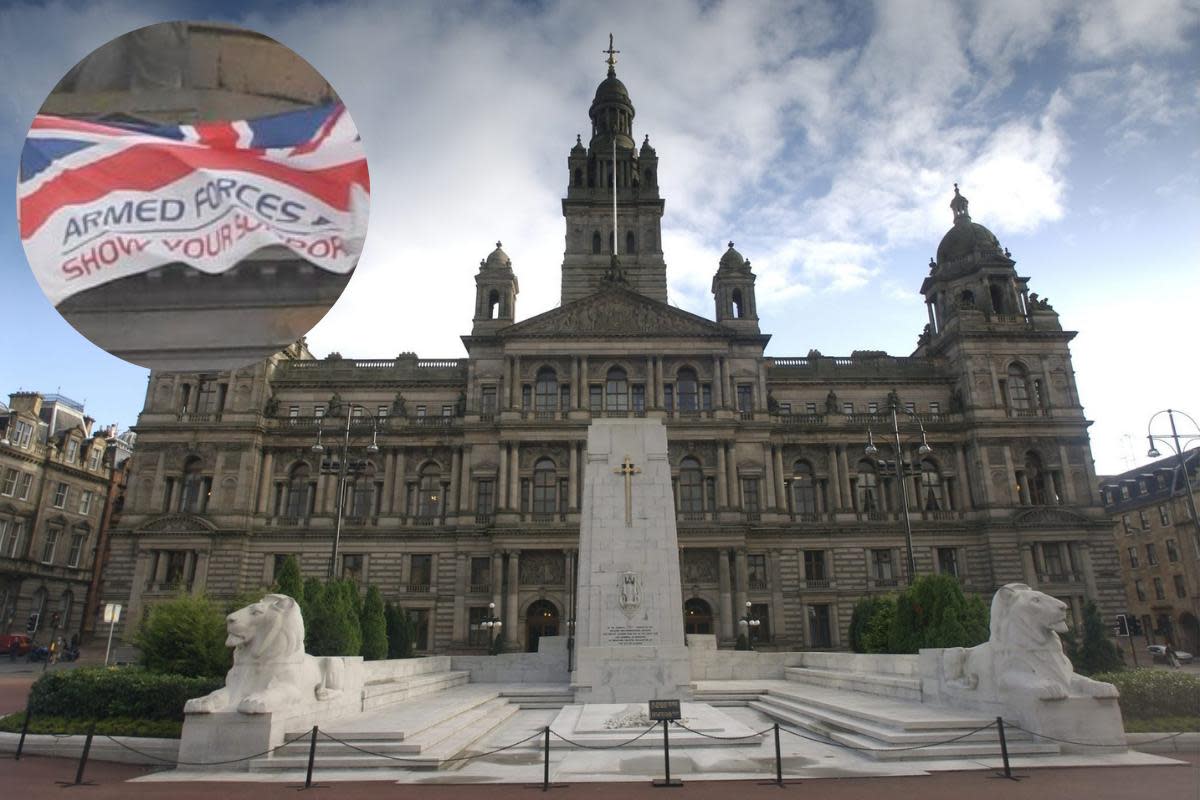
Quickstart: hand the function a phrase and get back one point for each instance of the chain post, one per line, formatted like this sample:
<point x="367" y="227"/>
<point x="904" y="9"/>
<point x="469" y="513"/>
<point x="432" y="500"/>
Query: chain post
<point x="24" y="730"/>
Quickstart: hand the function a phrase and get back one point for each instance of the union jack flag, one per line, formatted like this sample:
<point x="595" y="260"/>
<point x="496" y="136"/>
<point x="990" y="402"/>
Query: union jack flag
<point x="99" y="201"/>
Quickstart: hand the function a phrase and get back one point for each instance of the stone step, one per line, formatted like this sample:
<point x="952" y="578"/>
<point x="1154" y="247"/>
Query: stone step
<point x="458" y="741"/>
<point x="403" y="722"/>
<point x="902" y="715"/>
<point x="379" y="695"/>
<point x="827" y="721"/>
<point x="866" y="682"/>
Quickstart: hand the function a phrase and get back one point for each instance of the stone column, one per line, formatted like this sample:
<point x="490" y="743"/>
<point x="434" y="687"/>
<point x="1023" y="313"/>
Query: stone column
<point x="768" y="477"/>
<point x="506" y="398"/>
<point x="517" y="380"/>
<point x="399" y="485"/>
<point x="464" y="481"/>
<point x="847" y="494"/>
<point x="498" y="581"/>
<point x="511" y="610"/>
<point x="264" y="481"/>
<point x="200" y="577"/>
<point x="660" y="382"/>
<point x="1068" y="485"/>
<point x="761" y="405"/>
<point x="780" y="491"/>
<point x="574" y="385"/>
<point x="322" y="480"/>
<point x="776" y="575"/>
<point x="718" y="395"/>
<point x="743" y="581"/>
<point x="568" y="587"/>
<point x="455" y="483"/>
<point x="722" y="479"/>
<point x="1085" y="566"/>
<point x="502" y="479"/>
<point x="389" y="482"/>
<point x="735" y="496"/>
<point x="585" y="396"/>
<point x="462" y="565"/>
<point x="514" y="478"/>
<point x="573" y="477"/>
<point x="963" y="490"/>
<point x="835" y="478"/>
<point x="726" y="610"/>
<point x="189" y="564"/>
<point x="160" y="568"/>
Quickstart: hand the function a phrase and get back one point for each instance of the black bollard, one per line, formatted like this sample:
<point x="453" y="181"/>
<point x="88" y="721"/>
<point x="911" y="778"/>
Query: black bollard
<point x="546" y="763"/>
<point x="1004" y="753"/>
<point x="778" y="760"/>
<point x="24" y="730"/>
<point x="667" y="782"/>
<point x="312" y="756"/>
<point x="87" y="748"/>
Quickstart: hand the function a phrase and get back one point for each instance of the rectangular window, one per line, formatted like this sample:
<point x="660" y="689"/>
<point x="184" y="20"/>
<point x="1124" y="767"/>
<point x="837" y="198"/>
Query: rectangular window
<point x="881" y="561"/>
<point x="785" y="408"/>
<point x="481" y="574"/>
<point x="49" y="546"/>
<point x="814" y="565"/>
<point x="1144" y="519"/>
<point x="948" y="561"/>
<point x="1052" y="557"/>
<point x="420" y="411"/>
<point x="26" y="482"/>
<point x="420" y="574"/>
<point x="22" y="433"/>
<point x="1140" y="588"/>
<point x="94" y="454"/>
<point x="1172" y="551"/>
<point x="293" y="411"/>
<point x="76" y="550"/>
<point x="10" y="483"/>
<point x="485" y="496"/>
<point x="72" y="451"/>
<point x="1160" y="592"/>
<point x="639" y="397"/>
<point x="564" y="397"/>
<point x="526" y="397"/>
<point x="318" y="411"/>
<point x="381" y="411"/>
<point x="1164" y="516"/>
<point x="756" y="572"/>
<point x="745" y="397"/>
<point x="810" y="408"/>
<point x="352" y="567"/>
<point x="1151" y="555"/>
<point x="706" y="396"/>
<point x="750" y="497"/>
<point x="60" y="495"/>
<point x="847" y="408"/>
<point x="935" y="407"/>
<point x="85" y="503"/>
<point x="1133" y="557"/>
<point x="448" y="411"/>
<point x="911" y="408"/>
<point x="10" y="534"/>
<point x="1126" y="524"/>
<point x="356" y="411"/>
<point x="487" y="400"/>
<point x="819" y="631"/>
<point x="872" y="408"/>
<point x="277" y="560"/>
<point x="1180" y="587"/>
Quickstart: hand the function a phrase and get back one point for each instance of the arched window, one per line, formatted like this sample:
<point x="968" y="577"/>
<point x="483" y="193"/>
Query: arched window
<point x="596" y="242"/>
<point x="997" y="294"/>
<point x="1040" y="486"/>
<point x="933" y="495"/>
<point x="362" y="492"/>
<point x="616" y="390"/>
<point x="630" y="243"/>
<point x="429" y="492"/>
<point x="544" y="485"/>
<point x="687" y="389"/>
<point x="545" y="395"/>
<point x="578" y="176"/>
<point x="194" y="497"/>
<point x="804" y="488"/>
<point x="493" y="309"/>
<point x="649" y="177"/>
<point x="967" y="298"/>
<point x="691" y="486"/>
<point x="738" y="309"/>
<point x="697" y="616"/>
<point x="298" y="491"/>
<point x="866" y="488"/>
<point x="1018" y="387"/>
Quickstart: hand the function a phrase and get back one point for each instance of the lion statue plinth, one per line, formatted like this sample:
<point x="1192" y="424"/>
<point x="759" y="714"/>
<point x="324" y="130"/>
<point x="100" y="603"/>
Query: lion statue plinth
<point x="271" y="672"/>
<point x="1024" y="654"/>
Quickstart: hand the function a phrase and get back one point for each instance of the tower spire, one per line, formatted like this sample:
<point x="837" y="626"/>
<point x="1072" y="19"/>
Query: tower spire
<point x="611" y="60"/>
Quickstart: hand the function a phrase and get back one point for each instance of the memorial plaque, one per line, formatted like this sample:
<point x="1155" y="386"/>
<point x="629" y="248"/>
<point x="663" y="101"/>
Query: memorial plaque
<point x="664" y="709"/>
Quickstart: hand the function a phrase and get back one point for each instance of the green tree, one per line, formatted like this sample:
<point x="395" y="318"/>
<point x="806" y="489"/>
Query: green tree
<point x="934" y="612"/>
<point x="289" y="582"/>
<point x="879" y="626"/>
<point x="332" y="627"/>
<point x="374" y="627"/>
<point x="860" y="619"/>
<point x="185" y="636"/>
<point x="401" y="635"/>
<point x="1092" y="651"/>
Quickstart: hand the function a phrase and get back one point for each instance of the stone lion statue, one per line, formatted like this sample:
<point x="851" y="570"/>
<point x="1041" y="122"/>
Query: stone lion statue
<point x="1024" y="654"/>
<point x="270" y="669"/>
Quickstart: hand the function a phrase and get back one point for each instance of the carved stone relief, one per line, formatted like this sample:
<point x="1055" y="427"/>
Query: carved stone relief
<point x="542" y="568"/>
<point x="699" y="566"/>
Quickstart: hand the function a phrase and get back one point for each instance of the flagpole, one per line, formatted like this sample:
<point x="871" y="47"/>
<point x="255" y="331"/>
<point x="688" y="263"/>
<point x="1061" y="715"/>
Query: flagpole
<point x="616" y="245"/>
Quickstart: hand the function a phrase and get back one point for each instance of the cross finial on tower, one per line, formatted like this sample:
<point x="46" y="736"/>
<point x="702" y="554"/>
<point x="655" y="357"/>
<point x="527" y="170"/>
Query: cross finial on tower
<point x="611" y="60"/>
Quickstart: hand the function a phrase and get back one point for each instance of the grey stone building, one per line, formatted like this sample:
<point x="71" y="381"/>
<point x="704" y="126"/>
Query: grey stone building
<point x="55" y="498"/>
<point x="464" y="474"/>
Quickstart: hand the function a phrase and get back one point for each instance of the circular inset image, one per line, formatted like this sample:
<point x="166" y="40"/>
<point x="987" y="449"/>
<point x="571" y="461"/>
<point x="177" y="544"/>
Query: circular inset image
<point x="193" y="196"/>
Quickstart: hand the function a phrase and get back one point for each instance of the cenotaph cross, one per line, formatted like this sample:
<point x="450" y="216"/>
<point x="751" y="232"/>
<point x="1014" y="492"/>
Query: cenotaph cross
<point x="628" y="470"/>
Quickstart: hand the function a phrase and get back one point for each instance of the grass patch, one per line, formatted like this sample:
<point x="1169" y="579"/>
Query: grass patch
<point x="1162" y="725"/>
<point x="113" y="726"/>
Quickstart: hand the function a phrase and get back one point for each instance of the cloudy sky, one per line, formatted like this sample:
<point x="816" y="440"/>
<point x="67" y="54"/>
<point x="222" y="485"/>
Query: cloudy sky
<point x="823" y="139"/>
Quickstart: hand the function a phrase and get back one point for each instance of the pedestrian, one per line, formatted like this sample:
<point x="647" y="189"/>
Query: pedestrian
<point x="52" y="657"/>
<point x="1172" y="659"/>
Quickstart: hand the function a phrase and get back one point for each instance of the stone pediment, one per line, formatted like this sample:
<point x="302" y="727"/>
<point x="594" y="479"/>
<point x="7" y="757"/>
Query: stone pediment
<point x="1049" y="517"/>
<point x="614" y="313"/>
<point x="177" y="523"/>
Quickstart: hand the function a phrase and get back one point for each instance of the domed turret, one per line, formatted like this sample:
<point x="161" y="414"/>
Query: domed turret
<point x="733" y="292"/>
<point x="495" y="293"/>
<point x="612" y="110"/>
<point x="497" y="259"/>
<point x="732" y="260"/>
<point x="965" y="237"/>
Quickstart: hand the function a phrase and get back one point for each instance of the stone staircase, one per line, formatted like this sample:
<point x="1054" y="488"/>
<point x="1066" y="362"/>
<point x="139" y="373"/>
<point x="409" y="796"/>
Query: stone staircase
<point x="878" y="714"/>
<point x="539" y="697"/>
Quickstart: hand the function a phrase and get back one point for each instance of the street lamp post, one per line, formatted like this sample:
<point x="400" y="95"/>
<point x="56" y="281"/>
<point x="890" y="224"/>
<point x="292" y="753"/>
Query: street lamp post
<point x="751" y="624"/>
<point x="1179" y="444"/>
<point x="570" y="645"/>
<point x="342" y="472"/>
<point x="493" y="624"/>
<point x="902" y="475"/>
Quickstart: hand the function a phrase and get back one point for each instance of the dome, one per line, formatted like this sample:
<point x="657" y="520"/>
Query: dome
<point x="965" y="238"/>
<point x="611" y="90"/>
<point x="498" y="259"/>
<point x="578" y="150"/>
<point x="732" y="259"/>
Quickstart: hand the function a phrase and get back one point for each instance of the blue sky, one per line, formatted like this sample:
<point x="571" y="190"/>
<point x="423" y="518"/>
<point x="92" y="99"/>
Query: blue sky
<point x="823" y="140"/>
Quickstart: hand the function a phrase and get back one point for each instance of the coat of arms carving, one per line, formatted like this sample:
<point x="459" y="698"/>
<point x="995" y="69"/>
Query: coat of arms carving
<point x="631" y="593"/>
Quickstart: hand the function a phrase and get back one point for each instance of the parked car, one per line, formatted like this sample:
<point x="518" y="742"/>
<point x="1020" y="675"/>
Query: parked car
<point x="1159" y="653"/>
<point x="18" y="641"/>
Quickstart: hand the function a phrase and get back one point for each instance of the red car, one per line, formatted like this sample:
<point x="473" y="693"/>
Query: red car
<point x="18" y="642"/>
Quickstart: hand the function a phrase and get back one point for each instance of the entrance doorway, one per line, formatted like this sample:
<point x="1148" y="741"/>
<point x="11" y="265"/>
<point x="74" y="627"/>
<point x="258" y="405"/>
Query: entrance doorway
<point x="697" y="616"/>
<point x="541" y="620"/>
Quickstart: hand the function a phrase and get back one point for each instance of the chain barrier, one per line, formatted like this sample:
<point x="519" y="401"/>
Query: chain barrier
<point x="604" y="746"/>
<point x="679" y="724"/>
<point x="286" y="742"/>
<point x="887" y="749"/>
<point x="1011" y="724"/>
<point x="426" y="760"/>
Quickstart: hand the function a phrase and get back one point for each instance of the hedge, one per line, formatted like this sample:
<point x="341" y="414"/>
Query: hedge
<point x="115" y="726"/>
<point x="102" y="693"/>
<point x="1147" y="693"/>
